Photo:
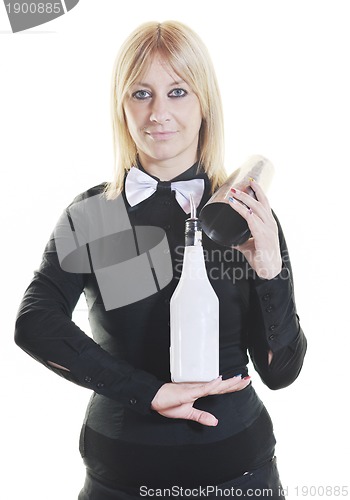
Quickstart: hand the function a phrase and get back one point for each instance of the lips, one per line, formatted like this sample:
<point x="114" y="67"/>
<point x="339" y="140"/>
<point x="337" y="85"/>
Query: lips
<point x="161" y="136"/>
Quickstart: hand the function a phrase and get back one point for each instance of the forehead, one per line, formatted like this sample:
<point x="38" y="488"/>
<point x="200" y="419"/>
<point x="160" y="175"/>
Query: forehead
<point x="160" y="68"/>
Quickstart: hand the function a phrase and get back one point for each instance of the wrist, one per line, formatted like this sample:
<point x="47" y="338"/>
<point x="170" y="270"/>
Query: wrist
<point x="271" y="272"/>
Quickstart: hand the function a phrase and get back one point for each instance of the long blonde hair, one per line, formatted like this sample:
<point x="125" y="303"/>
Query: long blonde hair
<point x="186" y="54"/>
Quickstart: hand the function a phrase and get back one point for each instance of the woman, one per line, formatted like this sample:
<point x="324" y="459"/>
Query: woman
<point x="143" y="433"/>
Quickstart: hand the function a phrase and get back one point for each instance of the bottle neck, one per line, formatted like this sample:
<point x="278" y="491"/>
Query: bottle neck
<point x="193" y="233"/>
<point x="193" y="264"/>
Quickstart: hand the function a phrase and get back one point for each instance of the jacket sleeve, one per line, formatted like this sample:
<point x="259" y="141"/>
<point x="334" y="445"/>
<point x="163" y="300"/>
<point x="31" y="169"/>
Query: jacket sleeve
<point x="45" y="330"/>
<point x="273" y="324"/>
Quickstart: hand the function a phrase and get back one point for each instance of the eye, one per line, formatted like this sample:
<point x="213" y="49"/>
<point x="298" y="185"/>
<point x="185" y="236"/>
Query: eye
<point x="177" y="93"/>
<point x="141" y="94"/>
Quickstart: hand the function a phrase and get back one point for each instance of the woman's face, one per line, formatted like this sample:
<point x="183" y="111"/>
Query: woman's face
<point x="163" y="117"/>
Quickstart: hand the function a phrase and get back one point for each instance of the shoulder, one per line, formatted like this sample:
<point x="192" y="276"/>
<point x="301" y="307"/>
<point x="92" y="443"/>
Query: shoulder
<point x="98" y="190"/>
<point x="92" y="209"/>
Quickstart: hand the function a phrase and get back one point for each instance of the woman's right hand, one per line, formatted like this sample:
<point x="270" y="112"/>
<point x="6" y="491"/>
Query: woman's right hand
<point x="175" y="400"/>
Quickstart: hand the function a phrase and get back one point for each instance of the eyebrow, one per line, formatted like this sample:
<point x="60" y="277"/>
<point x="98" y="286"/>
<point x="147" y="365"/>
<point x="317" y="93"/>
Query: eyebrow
<point x="144" y="84"/>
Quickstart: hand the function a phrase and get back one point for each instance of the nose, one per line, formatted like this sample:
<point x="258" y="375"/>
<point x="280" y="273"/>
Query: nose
<point x="159" y="110"/>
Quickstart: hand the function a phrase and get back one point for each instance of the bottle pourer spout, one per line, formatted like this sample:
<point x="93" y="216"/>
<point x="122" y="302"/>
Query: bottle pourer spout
<point x="193" y="208"/>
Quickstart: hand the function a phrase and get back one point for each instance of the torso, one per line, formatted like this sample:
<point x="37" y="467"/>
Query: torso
<point x="117" y="441"/>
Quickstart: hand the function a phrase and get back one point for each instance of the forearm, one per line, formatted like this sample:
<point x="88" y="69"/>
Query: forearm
<point x="45" y="330"/>
<point x="83" y="361"/>
<point x="275" y="332"/>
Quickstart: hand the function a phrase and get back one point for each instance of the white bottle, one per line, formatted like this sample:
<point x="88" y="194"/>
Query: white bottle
<point x="194" y="316"/>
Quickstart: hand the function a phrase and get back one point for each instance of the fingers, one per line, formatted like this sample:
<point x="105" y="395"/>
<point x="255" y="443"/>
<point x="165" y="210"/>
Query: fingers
<point x="172" y="395"/>
<point x="219" y="386"/>
<point x="176" y="400"/>
<point x="173" y="400"/>
<point x="255" y="220"/>
<point x="231" y="385"/>
<point x="259" y="193"/>
<point x="200" y="390"/>
<point x="249" y="205"/>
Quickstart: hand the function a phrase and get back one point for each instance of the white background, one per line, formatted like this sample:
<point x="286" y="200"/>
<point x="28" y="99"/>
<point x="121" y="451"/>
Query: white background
<point x="283" y="69"/>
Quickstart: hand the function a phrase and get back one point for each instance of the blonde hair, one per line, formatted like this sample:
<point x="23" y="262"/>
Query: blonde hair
<point x="186" y="54"/>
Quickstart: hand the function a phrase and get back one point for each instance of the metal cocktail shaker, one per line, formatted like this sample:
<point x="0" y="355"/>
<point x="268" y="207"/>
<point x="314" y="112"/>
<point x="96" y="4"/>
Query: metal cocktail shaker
<point x="219" y="220"/>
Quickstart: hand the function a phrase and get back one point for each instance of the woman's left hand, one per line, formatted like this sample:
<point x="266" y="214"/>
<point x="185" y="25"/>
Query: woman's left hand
<point x="262" y="250"/>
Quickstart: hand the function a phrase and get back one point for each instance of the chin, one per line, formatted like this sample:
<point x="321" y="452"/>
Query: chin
<point x="164" y="155"/>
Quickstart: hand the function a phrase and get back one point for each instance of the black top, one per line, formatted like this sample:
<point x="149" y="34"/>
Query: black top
<point x="128" y="360"/>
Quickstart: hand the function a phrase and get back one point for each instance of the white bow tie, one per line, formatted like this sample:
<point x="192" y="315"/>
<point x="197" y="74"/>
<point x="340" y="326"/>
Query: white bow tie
<point x="139" y="186"/>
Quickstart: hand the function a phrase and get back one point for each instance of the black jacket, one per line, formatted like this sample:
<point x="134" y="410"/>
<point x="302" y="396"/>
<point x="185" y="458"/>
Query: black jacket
<point x="264" y="317"/>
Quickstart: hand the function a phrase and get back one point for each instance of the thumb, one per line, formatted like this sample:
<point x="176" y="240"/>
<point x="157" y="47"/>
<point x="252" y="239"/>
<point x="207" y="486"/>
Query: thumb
<point x="203" y="417"/>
